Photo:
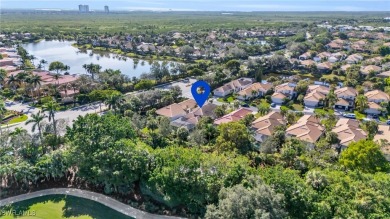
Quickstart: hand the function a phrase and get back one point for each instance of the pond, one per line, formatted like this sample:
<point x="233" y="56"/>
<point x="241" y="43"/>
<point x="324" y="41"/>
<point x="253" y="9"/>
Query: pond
<point x="75" y="58"/>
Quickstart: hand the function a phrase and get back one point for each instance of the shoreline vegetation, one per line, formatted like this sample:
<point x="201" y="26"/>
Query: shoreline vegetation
<point x="130" y="54"/>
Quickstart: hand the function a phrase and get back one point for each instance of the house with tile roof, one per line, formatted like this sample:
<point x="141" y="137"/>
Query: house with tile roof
<point x="365" y="70"/>
<point x="347" y="93"/>
<point x="377" y="96"/>
<point x="254" y="90"/>
<point x="307" y="129"/>
<point x="346" y="97"/>
<point x="305" y="56"/>
<point x="233" y="87"/>
<point x="278" y="98"/>
<point x="318" y="88"/>
<point x="307" y="63"/>
<point x="348" y="131"/>
<point x="324" y="67"/>
<point x="384" y="74"/>
<point x="177" y="110"/>
<point x="314" y="99"/>
<point x="283" y="91"/>
<point x="265" y="125"/>
<point x="234" y="116"/>
<point x="354" y="59"/>
<point x="190" y="120"/>
<point x="373" y="108"/>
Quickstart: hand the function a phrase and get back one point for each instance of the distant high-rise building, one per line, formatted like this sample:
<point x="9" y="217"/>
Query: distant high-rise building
<point x="106" y="9"/>
<point x="83" y="8"/>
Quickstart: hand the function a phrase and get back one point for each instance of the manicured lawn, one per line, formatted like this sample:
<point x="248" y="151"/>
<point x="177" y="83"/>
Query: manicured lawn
<point x="18" y="119"/>
<point x="359" y="116"/>
<point x="257" y="102"/>
<point x="60" y="207"/>
<point x="229" y="99"/>
<point x="332" y="76"/>
<point x="297" y="107"/>
<point x="383" y="118"/>
<point x="324" y="111"/>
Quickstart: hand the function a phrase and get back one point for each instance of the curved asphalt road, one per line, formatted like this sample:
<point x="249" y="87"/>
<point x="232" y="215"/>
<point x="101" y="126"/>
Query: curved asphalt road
<point x="105" y="200"/>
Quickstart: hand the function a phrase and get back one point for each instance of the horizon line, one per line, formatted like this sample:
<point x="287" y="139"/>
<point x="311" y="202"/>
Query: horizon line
<point x="174" y="10"/>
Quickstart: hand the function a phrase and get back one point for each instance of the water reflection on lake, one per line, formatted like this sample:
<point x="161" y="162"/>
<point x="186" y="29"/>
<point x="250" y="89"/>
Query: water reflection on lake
<point x="64" y="51"/>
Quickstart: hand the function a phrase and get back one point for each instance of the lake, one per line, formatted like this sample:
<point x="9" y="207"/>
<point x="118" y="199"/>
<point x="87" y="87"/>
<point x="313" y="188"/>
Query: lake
<point x="63" y="51"/>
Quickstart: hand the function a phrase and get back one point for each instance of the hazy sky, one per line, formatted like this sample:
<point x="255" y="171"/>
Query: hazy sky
<point x="207" y="5"/>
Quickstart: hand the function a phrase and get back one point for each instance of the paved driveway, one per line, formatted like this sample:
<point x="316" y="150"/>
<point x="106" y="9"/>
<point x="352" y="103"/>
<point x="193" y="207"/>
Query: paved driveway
<point x="185" y="86"/>
<point x="68" y="115"/>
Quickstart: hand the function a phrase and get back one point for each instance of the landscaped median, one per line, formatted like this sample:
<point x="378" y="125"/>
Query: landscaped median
<point x="15" y="120"/>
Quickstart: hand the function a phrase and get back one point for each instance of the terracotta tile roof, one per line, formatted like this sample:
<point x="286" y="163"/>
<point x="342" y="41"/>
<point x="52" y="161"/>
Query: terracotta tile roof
<point x="377" y="59"/>
<point x="177" y="109"/>
<point x="308" y="62"/>
<point x="241" y="82"/>
<point x="345" y="67"/>
<point x="372" y="105"/>
<point x="348" y="131"/>
<point x="233" y="116"/>
<point x="346" y="91"/>
<point x="278" y="95"/>
<point x="255" y="87"/>
<point x="370" y="68"/>
<point x="383" y="133"/>
<point x="206" y="110"/>
<point x="354" y="58"/>
<point x="314" y="96"/>
<point x="308" y="128"/>
<point x="385" y="74"/>
<point x="324" y="54"/>
<point x="8" y="68"/>
<point x="342" y="102"/>
<point x="265" y="125"/>
<point x="319" y="88"/>
<point x="283" y="87"/>
<point x="324" y="65"/>
<point x="377" y="95"/>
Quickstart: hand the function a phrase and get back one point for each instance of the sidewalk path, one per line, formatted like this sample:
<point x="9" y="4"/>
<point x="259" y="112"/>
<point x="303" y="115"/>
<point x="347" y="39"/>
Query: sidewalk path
<point x="102" y="199"/>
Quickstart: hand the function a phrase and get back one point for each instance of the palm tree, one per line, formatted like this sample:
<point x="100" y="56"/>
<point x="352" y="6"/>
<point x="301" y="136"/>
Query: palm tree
<point x="51" y="107"/>
<point x="361" y="103"/>
<point x="12" y="82"/>
<point x="17" y="138"/>
<point x="3" y="110"/>
<point x="331" y="98"/>
<point x="35" y="81"/>
<point x="57" y="78"/>
<point x="37" y="119"/>
<point x="43" y="63"/>
<point x="115" y="101"/>
<point x="3" y="76"/>
<point x="254" y="93"/>
<point x="74" y="86"/>
<point x="92" y="69"/>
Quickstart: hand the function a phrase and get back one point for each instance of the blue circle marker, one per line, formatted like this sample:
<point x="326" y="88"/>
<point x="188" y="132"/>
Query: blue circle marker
<point x="200" y="95"/>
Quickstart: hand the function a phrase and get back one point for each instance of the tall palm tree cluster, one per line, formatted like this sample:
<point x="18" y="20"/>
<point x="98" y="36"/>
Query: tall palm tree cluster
<point x="92" y="69"/>
<point x="26" y="81"/>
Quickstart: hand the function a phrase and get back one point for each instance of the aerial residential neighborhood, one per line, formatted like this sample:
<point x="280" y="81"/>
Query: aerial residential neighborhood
<point x="127" y="111"/>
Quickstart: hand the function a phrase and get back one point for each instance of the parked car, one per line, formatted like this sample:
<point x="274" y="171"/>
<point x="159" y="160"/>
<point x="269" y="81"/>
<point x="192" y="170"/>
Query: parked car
<point x="273" y="105"/>
<point x="245" y="105"/>
<point x="349" y="115"/>
<point x="388" y="122"/>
